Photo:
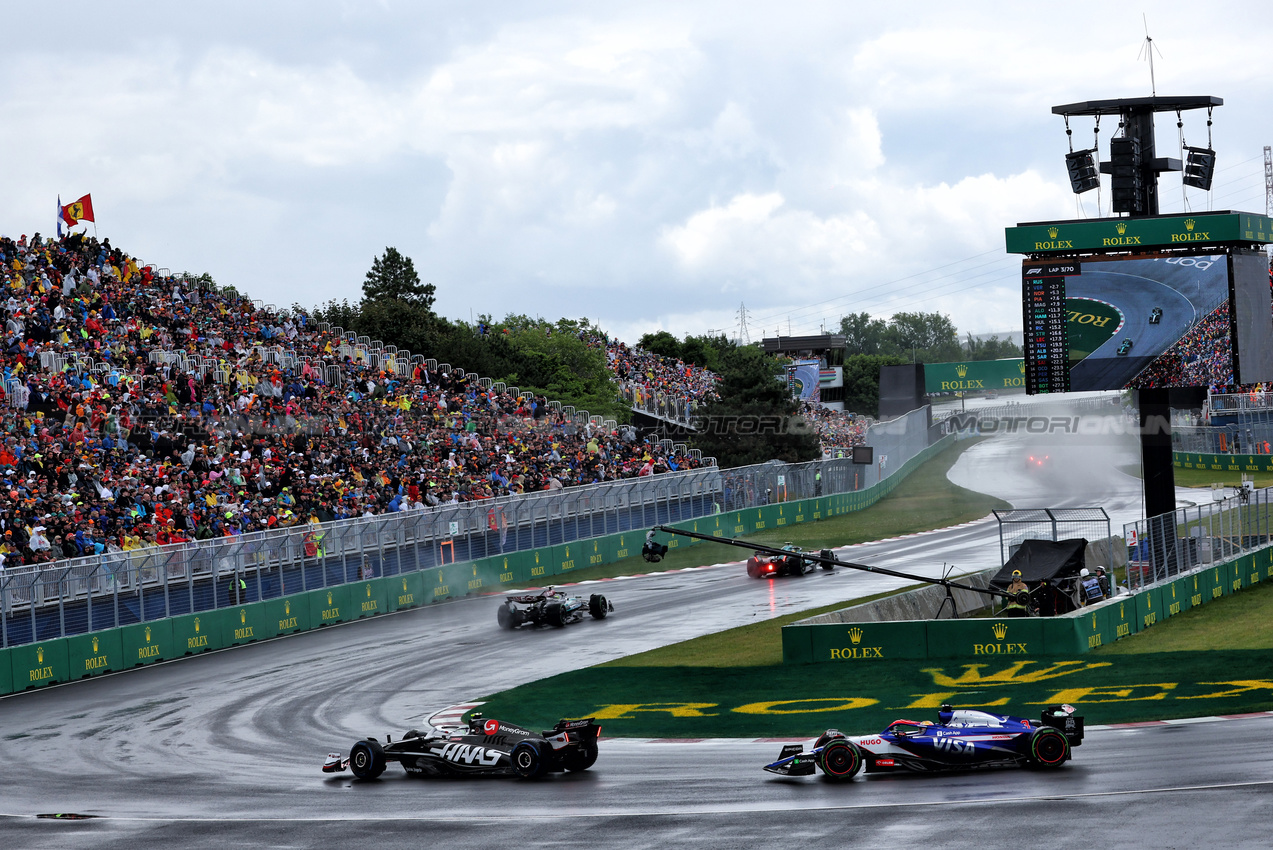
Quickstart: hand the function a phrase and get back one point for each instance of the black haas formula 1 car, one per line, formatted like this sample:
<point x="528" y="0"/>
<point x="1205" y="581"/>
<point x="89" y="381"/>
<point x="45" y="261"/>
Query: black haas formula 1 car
<point x="550" y="607"/>
<point x="484" y="747"/>
<point x="961" y="740"/>
<point x="768" y="565"/>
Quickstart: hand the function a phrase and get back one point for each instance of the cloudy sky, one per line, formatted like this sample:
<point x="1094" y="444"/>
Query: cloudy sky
<point x="649" y="166"/>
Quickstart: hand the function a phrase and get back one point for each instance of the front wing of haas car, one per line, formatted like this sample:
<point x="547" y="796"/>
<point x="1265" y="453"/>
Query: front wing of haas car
<point x="961" y="740"/>
<point x="484" y="747"/>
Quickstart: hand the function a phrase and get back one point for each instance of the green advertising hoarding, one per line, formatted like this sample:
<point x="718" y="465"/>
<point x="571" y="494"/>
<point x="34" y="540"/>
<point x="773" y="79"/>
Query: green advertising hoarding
<point x="406" y="591"/>
<point x="1129" y="234"/>
<point x="975" y="376"/>
<point x="195" y="633"/>
<point x="245" y="624"/>
<point x="96" y="652"/>
<point x="6" y="671"/>
<point x="866" y="642"/>
<point x="989" y="638"/>
<point x="44" y="663"/>
<point x="146" y="643"/>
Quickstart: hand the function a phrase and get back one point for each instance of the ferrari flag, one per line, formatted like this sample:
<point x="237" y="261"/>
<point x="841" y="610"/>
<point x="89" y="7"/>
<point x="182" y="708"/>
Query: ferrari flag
<point x="77" y="211"/>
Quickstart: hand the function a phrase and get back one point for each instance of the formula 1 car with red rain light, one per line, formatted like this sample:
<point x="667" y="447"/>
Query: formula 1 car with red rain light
<point x="483" y="747"/>
<point x="551" y="607"/>
<point x="789" y="563"/>
<point x="960" y="740"/>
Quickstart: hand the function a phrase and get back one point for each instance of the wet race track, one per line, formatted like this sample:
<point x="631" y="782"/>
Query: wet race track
<point x="224" y="749"/>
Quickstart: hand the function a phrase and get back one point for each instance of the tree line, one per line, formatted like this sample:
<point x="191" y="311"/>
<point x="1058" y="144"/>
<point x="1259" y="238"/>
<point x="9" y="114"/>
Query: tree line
<point x="553" y="359"/>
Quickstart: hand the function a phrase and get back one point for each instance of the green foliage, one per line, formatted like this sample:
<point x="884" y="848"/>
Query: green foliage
<point x="917" y="337"/>
<point x="662" y="343"/>
<point x="705" y="351"/>
<point x="393" y="278"/>
<point x="862" y="381"/>
<point x="862" y="334"/>
<point x="755" y="418"/>
<point x="992" y="348"/>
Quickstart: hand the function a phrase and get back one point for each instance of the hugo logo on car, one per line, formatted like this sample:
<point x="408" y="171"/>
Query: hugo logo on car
<point x="959" y="740"/>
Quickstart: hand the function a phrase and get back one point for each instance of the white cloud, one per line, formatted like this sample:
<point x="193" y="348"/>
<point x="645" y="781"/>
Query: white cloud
<point x="641" y="166"/>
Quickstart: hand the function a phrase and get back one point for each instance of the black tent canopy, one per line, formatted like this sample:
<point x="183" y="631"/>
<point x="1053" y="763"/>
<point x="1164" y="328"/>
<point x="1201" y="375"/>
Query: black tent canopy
<point x="1043" y="560"/>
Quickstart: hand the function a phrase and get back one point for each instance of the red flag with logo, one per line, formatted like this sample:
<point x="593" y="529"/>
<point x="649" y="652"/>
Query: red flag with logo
<point x="77" y="211"/>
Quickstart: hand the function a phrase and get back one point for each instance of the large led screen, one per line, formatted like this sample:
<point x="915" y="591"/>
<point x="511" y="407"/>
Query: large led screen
<point x="1148" y="322"/>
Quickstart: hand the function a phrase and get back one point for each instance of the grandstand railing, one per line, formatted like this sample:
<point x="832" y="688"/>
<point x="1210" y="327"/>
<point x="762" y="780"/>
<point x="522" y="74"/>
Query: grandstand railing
<point x="664" y="405"/>
<point x="116" y="588"/>
<point x="1256" y="400"/>
<point x="1163" y="547"/>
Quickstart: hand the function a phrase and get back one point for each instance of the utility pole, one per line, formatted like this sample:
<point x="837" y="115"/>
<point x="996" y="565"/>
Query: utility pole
<point x="1268" y="180"/>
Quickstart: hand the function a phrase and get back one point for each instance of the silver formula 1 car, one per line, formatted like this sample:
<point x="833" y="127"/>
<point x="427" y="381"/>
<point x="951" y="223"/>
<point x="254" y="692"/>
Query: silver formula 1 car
<point x="484" y="746"/>
<point x="550" y="607"/>
<point x="960" y="740"/>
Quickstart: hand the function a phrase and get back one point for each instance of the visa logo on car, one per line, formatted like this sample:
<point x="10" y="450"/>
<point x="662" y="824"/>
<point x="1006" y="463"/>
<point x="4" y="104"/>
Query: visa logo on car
<point x="466" y="754"/>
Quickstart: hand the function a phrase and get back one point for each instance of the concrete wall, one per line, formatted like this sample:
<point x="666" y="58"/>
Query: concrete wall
<point x="920" y="604"/>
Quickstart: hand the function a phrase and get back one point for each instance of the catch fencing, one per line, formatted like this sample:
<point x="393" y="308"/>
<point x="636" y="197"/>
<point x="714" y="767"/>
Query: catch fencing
<point x="1161" y="548"/>
<point x="1018" y="525"/>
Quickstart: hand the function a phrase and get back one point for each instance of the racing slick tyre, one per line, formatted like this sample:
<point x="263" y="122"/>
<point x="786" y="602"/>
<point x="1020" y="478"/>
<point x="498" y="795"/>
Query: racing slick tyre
<point x="367" y="760"/>
<point x="598" y="607"/>
<point x="528" y="761"/>
<point x="828" y="554"/>
<point x="555" y="615"/>
<point x="1049" y="747"/>
<point x="840" y="760"/>
<point x="580" y="758"/>
<point x="505" y="616"/>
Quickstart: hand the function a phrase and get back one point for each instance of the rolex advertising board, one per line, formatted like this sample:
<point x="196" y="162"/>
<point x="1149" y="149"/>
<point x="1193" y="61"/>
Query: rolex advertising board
<point x="96" y="652"/>
<point x="146" y="643"/>
<point x="990" y="638"/>
<point x="195" y="633"/>
<point x="36" y="664"/>
<point x="867" y="642"/>
<point x="974" y="377"/>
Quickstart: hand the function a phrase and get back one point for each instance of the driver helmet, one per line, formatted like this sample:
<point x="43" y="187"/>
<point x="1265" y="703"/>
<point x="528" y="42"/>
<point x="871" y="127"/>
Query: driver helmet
<point x="1083" y="572"/>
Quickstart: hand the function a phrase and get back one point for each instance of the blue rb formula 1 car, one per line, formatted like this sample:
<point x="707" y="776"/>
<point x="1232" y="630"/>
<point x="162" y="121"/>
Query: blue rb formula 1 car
<point x="960" y="740"/>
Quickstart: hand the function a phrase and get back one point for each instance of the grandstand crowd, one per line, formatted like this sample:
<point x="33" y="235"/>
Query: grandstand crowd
<point x="140" y="410"/>
<point x="127" y="450"/>
<point x="1200" y="358"/>
<point x="837" y="431"/>
<point x="655" y="373"/>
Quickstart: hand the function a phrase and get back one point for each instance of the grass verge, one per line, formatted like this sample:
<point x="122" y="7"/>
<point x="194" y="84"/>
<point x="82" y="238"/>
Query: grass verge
<point x="926" y="500"/>
<point x="860" y="697"/>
